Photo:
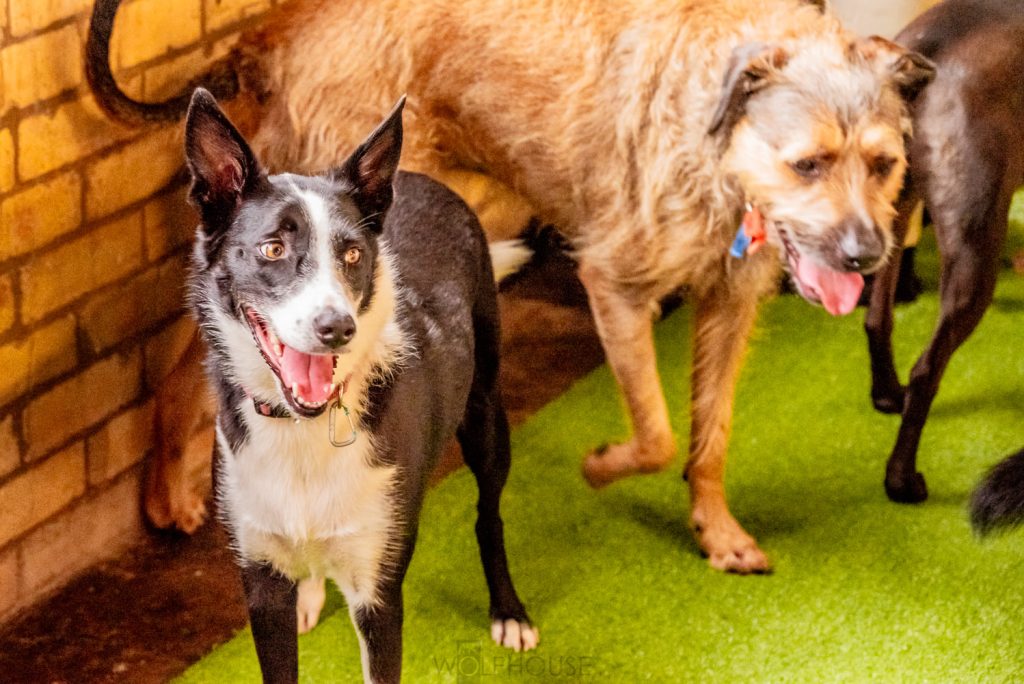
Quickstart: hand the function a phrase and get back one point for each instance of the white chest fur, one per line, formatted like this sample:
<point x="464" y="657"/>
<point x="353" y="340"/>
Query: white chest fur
<point x="306" y="507"/>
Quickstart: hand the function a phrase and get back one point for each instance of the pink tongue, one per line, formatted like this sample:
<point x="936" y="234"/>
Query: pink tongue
<point x="838" y="291"/>
<point x="312" y="375"/>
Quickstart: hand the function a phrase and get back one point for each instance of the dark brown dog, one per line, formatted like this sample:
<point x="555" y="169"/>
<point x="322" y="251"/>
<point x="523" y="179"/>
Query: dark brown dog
<point x="966" y="161"/>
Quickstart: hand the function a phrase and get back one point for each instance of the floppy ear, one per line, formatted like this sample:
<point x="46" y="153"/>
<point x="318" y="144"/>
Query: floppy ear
<point x="750" y="69"/>
<point x="909" y="71"/>
<point x="222" y="165"/>
<point x="370" y="171"/>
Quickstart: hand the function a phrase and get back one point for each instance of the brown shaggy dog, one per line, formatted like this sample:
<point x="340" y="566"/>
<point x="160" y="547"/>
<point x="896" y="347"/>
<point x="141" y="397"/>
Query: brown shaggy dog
<point x="640" y="128"/>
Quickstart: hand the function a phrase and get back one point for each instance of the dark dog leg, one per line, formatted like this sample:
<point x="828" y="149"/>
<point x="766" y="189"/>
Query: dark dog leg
<point x="271" y="601"/>
<point x="380" y="635"/>
<point x="484" y="437"/>
<point x="886" y="391"/>
<point x="969" y="266"/>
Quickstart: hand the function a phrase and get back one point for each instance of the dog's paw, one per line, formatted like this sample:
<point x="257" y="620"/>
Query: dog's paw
<point x="888" y="401"/>
<point x="609" y="463"/>
<point x="190" y="514"/>
<point x="906" y="489"/>
<point x="519" y="635"/>
<point x="312" y="594"/>
<point x="729" y="549"/>
<point x="186" y="512"/>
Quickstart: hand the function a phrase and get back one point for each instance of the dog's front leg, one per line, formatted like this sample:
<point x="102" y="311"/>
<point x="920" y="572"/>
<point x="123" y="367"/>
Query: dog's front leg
<point x="625" y="328"/>
<point x="271" y="599"/>
<point x="379" y="626"/>
<point x="723" y="321"/>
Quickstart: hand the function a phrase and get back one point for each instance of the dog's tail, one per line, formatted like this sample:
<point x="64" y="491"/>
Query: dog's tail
<point x="508" y="256"/>
<point x="998" y="502"/>
<point x="221" y="79"/>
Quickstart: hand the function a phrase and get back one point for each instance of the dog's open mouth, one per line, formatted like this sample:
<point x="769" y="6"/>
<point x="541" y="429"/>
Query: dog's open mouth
<point x="307" y="380"/>
<point x="837" y="291"/>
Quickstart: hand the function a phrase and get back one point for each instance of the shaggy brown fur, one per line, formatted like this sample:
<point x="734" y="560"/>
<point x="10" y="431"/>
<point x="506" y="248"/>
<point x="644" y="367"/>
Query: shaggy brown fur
<point x="639" y="128"/>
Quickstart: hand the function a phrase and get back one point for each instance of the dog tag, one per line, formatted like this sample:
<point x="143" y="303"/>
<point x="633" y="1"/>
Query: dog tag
<point x="750" y="235"/>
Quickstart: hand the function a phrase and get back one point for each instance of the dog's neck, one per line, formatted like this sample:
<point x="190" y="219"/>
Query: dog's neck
<point x="380" y="344"/>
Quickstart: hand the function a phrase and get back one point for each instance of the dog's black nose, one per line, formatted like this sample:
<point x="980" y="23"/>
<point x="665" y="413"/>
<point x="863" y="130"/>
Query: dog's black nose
<point x="861" y="261"/>
<point x="334" y="328"/>
<point x="860" y="246"/>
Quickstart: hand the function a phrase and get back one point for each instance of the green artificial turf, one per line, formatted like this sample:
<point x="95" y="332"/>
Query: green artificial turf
<point x="863" y="589"/>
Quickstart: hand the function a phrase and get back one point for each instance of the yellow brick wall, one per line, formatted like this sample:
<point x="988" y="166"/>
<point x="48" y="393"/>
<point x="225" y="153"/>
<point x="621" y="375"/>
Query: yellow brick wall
<point x="94" y="232"/>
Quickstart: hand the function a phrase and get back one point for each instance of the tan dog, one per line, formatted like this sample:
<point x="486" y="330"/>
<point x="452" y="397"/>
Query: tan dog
<point x="641" y="129"/>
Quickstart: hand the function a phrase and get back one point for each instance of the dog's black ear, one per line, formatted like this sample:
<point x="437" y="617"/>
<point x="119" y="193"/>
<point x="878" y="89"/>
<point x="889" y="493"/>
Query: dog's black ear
<point x="370" y="171"/>
<point x="909" y="71"/>
<point x="750" y="69"/>
<point x="222" y="165"/>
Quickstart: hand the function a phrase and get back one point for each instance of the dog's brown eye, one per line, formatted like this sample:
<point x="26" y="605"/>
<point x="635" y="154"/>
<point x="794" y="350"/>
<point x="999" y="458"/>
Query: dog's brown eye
<point x="810" y="168"/>
<point x="882" y="166"/>
<point x="353" y="255"/>
<point x="272" y="250"/>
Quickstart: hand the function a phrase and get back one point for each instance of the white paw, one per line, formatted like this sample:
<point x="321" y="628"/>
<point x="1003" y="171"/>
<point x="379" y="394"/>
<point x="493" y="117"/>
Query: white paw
<point x="519" y="636"/>
<point x="312" y="595"/>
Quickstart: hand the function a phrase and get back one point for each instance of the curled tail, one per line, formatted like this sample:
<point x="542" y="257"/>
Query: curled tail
<point x="221" y="79"/>
<point x="998" y="502"/>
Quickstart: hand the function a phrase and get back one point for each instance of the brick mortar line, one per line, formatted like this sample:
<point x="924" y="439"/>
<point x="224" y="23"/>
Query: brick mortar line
<point x="16" y="408"/>
<point x="89" y="358"/>
<point x="35" y="33"/>
<point x="20" y="329"/>
<point x="136" y="470"/>
<point x="88" y="226"/>
<point x="80" y="436"/>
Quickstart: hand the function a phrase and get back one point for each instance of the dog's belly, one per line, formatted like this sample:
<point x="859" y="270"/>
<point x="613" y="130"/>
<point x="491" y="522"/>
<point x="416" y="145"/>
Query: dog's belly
<point x="306" y="507"/>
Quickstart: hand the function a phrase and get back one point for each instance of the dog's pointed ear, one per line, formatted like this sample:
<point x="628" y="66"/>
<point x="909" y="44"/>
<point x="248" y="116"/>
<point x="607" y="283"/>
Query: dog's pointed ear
<point x="222" y="165"/>
<point x="909" y="71"/>
<point x="370" y="171"/>
<point x="751" y="68"/>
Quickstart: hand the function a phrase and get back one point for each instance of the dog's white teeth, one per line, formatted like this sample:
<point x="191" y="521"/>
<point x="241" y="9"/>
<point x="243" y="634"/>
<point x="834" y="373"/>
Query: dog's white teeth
<point x="328" y="387"/>
<point x="275" y="344"/>
<point x="295" y="390"/>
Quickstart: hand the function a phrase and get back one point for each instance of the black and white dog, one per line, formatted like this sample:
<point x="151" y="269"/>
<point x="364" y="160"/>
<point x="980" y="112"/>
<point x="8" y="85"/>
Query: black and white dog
<point x="353" y="328"/>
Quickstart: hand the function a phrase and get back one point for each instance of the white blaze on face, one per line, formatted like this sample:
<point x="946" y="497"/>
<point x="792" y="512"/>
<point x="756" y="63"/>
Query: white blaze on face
<point x="323" y="290"/>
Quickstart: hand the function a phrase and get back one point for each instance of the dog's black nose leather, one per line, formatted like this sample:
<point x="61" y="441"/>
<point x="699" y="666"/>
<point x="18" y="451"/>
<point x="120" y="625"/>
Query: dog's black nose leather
<point x="334" y="328"/>
<point x="860" y="262"/>
<point x="861" y="247"/>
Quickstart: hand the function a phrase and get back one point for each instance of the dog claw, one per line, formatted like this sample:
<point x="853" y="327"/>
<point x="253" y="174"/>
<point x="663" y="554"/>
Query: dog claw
<point x="729" y="548"/>
<point x="515" y="634"/>
<point x="909" y="490"/>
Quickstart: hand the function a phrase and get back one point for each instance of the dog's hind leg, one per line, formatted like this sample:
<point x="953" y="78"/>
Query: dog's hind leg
<point x="311" y="597"/>
<point x="484" y="437"/>
<point x="625" y="328"/>
<point x="270" y="598"/>
<point x="170" y="499"/>
<point x="886" y="391"/>
<point x="722" y="324"/>
<point x="970" y="248"/>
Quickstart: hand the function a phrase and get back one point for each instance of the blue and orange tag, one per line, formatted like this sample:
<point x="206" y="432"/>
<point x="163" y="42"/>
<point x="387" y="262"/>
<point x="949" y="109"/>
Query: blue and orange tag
<point x="750" y="235"/>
